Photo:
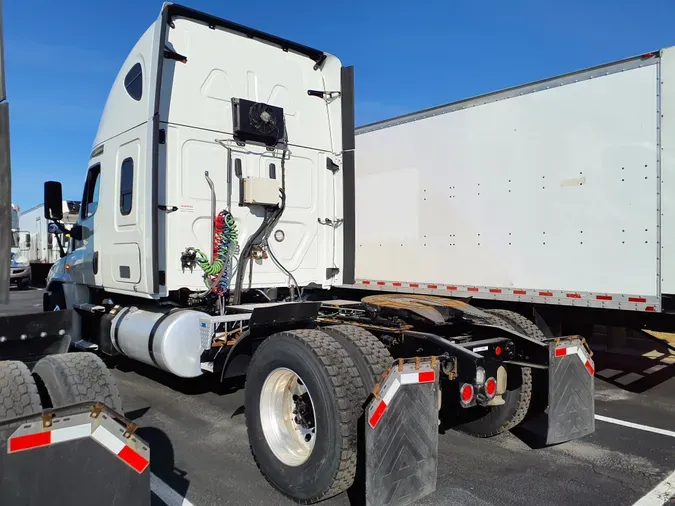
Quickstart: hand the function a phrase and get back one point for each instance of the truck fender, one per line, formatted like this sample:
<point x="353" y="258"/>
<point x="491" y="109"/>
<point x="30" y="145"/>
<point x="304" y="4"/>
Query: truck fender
<point x="236" y="361"/>
<point x="73" y="294"/>
<point x="58" y="273"/>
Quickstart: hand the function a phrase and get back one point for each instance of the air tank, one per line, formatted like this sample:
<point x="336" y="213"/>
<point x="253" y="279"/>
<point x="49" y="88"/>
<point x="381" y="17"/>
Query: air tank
<point x="164" y="338"/>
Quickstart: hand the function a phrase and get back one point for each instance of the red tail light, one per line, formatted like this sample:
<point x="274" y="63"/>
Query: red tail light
<point x="466" y="392"/>
<point x="491" y="387"/>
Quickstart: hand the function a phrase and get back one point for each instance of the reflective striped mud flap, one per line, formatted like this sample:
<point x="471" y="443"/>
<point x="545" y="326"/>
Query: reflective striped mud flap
<point x="75" y="456"/>
<point x="402" y="434"/>
<point x="571" y="406"/>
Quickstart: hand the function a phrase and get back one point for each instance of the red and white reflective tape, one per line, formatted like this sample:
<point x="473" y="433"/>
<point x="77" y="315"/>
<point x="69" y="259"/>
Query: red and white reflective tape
<point x="119" y="448"/>
<point x="31" y="436"/>
<point x="560" y="297"/>
<point x="48" y="437"/>
<point x="392" y="385"/>
<point x="580" y="352"/>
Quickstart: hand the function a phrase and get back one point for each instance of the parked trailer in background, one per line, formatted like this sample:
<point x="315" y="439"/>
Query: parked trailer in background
<point x="546" y="196"/>
<point x="20" y="272"/>
<point x="210" y="237"/>
<point x="39" y="244"/>
<point x="15" y="216"/>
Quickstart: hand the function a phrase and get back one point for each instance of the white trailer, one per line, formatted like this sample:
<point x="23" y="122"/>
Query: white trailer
<point x="549" y="193"/>
<point x="38" y="243"/>
<point x="215" y="233"/>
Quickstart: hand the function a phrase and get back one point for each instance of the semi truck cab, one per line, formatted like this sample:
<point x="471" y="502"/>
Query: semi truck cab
<point x="200" y="120"/>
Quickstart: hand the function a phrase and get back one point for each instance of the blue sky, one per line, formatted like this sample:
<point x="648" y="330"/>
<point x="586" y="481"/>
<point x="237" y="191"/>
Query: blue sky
<point x="62" y="57"/>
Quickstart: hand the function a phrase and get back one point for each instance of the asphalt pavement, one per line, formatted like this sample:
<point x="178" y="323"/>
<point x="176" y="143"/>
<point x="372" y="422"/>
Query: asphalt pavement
<point x="23" y="301"/>
<point x="200" y="453"/>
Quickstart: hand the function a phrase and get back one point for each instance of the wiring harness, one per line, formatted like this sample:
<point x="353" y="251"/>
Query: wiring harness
<point x="260" y="239"/>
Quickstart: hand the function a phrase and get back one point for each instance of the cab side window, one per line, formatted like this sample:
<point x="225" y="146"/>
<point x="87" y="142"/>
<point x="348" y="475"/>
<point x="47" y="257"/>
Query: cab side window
<point x="91" y="192"/>
<point x="126" y="186"/>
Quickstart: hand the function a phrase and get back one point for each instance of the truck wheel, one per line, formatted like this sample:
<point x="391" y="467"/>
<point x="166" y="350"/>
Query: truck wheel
<point x="370" y="356"/>
<point x="18" y="392"/>
<point x="69" y="378"/>
<point x="519" y="322"/>
<point x="301" y="402"/>
<point x="494" y="420"/>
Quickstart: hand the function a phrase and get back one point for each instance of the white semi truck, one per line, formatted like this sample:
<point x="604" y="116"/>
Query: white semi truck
<point x="225" y="229"/>
<point x="41" y="246"/>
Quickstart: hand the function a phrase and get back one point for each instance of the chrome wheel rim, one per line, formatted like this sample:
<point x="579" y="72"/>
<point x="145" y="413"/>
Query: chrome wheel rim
<point x="287" y="417"/>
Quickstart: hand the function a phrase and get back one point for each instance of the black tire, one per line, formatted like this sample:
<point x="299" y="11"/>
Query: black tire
<point x="370" y="356"/>
<point x="519" y="323"/>
<point x="18" y="392"/>
<point x="494" y="420"/>
<point x="335" y="387"/>
<point x="69" y="378"/>
<point x="24" y="284"/>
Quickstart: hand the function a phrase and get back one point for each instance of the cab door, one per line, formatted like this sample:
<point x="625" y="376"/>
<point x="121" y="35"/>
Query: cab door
<point x="84" y="261"/>
<point x="124" y="269"/>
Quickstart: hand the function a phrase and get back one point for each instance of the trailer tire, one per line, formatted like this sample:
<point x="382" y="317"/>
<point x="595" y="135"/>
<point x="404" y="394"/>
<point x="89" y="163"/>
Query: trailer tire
<point x="329" y="376"/>
<point x="497" y="419"/>
<point x="18" y="392"/>
<point x="69" y="378"/>
<point x="519" y="322"/>
<point x="370" y="356"/>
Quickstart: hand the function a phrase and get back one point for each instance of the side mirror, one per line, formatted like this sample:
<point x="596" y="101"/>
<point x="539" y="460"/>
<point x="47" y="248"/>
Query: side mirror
<point x="53" y="200"/>
<point x="76" y="232"/>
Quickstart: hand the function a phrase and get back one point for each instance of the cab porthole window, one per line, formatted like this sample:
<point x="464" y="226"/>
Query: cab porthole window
<point x="133" y="82"/>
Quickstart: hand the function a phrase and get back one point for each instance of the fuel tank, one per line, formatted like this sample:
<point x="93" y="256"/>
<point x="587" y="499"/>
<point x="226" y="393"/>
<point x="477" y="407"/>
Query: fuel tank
<point x="164" y="338"/>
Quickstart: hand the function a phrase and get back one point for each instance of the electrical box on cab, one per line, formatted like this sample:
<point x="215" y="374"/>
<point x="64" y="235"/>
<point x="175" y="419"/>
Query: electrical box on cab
<point x="261" y="191"/>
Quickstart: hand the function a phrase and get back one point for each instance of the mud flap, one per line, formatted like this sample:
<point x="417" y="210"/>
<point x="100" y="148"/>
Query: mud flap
<point x="402" y="434"/>
<point x="79" y="456"/>
<point x="571" y="405"/>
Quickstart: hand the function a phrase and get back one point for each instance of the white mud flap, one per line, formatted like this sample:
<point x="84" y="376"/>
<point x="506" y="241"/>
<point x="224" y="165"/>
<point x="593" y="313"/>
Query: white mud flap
<point x="82" y="456"/>
<point x="402" y="434"/>
<point x="571" y="405"/>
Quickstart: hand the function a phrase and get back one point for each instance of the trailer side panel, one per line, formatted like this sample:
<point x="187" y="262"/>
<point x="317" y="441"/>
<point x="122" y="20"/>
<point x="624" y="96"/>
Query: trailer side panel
<point x="545" y="190"/>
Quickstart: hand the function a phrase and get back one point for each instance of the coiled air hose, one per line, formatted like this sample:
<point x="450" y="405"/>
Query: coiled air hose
<point x="224" y="247"/>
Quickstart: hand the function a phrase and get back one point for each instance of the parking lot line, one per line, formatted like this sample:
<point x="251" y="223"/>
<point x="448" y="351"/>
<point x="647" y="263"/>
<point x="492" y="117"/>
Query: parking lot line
<point x="661" y="494"/>
<point x="632" y="425"/>
<point x="166" y="493"/>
